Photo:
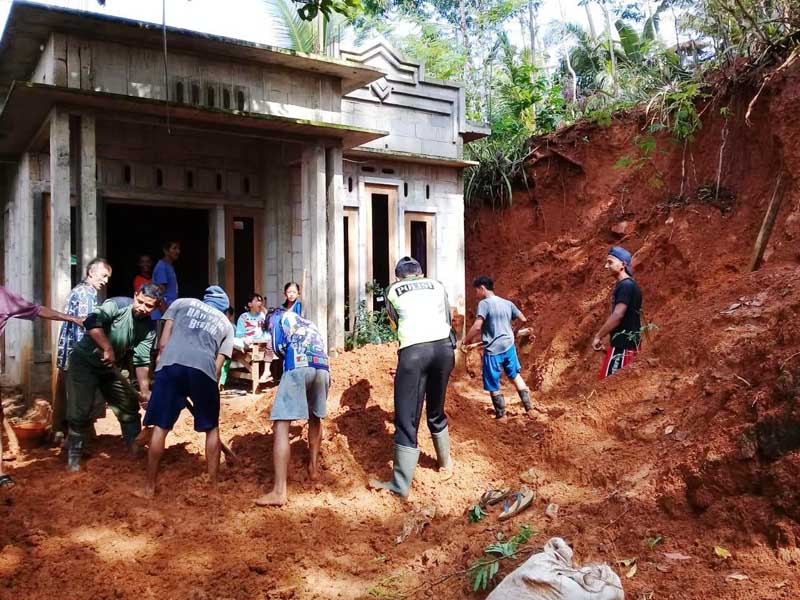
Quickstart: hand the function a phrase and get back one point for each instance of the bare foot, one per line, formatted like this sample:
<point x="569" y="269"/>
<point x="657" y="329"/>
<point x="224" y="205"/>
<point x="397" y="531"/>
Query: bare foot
<point x="271" y="499"/>
<point x="147" y="492"/>
<point x="313" y="471"/>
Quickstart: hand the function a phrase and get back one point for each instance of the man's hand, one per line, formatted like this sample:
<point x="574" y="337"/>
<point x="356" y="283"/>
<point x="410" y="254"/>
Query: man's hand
<point x="107" y="357"/>
<point x="597" y="344"/>
<point x="78" y="321"/>
<point x="144" y="398"/>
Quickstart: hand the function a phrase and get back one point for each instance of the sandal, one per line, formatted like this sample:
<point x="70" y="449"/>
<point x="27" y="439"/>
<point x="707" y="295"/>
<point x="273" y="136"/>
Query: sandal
<point x="517" y="503"/>
<point x="6" y="481"/>
<point x="492" y="496"/>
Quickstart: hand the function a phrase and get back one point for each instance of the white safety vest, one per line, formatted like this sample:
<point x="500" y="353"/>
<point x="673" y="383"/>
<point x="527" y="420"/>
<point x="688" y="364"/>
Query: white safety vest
<point x="421" y="306"/>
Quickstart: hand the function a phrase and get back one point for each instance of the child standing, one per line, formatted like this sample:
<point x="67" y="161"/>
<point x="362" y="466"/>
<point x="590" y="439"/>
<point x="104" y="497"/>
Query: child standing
<point x="292" y="292"/>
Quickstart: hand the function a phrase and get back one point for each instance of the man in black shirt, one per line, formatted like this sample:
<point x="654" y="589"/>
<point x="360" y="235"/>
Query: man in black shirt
<point x="624" y="324"/>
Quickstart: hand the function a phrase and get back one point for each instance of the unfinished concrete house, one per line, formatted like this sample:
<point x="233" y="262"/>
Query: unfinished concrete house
<point x="267" y="165"/>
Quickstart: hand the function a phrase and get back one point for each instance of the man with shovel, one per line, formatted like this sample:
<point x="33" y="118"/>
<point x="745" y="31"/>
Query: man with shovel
<point x="196" y="339"/>
<point x="116" y="330"/>
<point x="493" y="324"/>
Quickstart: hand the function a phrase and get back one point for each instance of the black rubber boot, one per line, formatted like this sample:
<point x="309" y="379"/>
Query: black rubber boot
<point x="130" y="432"/>
<point x="441" y="443"/>
<point x="74" y="451"/>
<point x="405" y="463"/>
<point x="499" y="406"/>
<point x="525" y="396"/>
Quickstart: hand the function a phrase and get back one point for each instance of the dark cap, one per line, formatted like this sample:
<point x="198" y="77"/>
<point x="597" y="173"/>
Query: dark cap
<point x="407" y="266"/>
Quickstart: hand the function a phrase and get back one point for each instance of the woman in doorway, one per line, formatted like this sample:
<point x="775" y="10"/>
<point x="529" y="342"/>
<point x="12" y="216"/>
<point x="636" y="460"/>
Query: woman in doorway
<point x="292" y="293"/>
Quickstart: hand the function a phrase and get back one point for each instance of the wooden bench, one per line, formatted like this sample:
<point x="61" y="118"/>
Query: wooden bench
<point x="255" y="364"/>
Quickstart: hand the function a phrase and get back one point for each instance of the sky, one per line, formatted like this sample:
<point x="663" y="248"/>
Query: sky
<point x="250" y="20"/>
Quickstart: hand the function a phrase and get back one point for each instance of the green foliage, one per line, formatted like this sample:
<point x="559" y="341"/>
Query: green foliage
<point x="297" y="33"/>
<point x="482" y="571"/>
<point x="476" y="513"/>
<point x="369" y="327"/>
<point x="636" y="336"/>
<point x="674" y="108"/>
<point x="308" y="10"/>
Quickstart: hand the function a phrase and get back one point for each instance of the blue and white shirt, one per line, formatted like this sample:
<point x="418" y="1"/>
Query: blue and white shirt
<point x="80" y="302"/>
<point x="298" y="342"/>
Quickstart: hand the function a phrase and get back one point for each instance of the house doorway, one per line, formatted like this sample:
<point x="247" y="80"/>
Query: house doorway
<point x="242" y="255"/>
<point x="382" y="246"/>
<point x="136" y="229"/>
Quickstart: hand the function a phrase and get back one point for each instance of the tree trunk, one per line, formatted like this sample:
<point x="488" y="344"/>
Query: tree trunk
<point x="567" y="61"/>
<point x="590" y="18"/>
<point x="611" y="53"/>
<point x="532" y="30"/>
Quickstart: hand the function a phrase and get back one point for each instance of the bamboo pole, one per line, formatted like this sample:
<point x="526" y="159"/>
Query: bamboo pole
<point x="769" y="222"/>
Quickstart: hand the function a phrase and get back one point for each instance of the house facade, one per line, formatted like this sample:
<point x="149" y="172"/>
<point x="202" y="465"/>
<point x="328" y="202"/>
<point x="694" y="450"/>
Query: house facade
<point x="267" y="165"/>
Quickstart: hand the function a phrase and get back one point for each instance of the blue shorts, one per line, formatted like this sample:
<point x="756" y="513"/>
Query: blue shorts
<point x="494" y="364"/>
<point x="173" y="385"/>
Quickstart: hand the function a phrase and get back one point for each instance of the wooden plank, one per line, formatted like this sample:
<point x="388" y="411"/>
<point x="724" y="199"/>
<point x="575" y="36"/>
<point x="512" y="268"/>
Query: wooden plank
<point x="315" y="245"/>
<point x="769" y="222"/>
<point x="60" y="251"/>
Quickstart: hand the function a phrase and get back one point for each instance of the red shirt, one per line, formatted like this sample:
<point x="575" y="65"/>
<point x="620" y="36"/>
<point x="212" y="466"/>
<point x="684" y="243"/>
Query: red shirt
<point x="139" y="281"/>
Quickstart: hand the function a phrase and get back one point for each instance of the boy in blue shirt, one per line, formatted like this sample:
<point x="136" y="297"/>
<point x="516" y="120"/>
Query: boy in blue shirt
<point x="164" y="275"/>
<point x="493" y="325"/>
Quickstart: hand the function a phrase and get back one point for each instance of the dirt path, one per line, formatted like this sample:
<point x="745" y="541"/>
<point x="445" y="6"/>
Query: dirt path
<point x="86" y="536"/>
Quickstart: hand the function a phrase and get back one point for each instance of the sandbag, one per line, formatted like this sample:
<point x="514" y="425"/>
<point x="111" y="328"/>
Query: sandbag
<point x="549" y="575"/>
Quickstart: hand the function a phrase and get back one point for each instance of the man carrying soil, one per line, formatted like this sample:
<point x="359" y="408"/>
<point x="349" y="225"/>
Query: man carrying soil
<point x="624" y="324"/>
<point x="302" y="394"/>
<point x="493" y="324"/>
<point x="419" y="309"/>
<point x="116" y="331"/>
<point x="195" y="340"/>
<point x="13" y="306"/>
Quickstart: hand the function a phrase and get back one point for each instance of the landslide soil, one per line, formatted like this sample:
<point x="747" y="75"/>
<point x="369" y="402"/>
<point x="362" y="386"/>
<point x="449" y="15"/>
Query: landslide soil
<point x="692" y="447"/>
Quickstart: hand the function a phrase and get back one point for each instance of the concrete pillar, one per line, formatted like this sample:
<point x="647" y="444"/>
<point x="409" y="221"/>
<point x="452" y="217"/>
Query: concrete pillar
<point x="60" y="275"/>
<point x="314" y="231"/>
<point x="88" y="192"/>
<point x="218" y="224"/>
<point x="19" y="272"/>
<point x="335" y="215"/>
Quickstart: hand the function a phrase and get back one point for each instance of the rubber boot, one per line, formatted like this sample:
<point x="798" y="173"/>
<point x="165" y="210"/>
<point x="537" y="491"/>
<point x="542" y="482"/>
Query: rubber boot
<point x="525" y="396"/>
<point x="405" y="463"/>
<point x="130" y="431"/>
<point x="441" y="443"/>
<point x="499" y="406"/>
<point x="74" y="451"/>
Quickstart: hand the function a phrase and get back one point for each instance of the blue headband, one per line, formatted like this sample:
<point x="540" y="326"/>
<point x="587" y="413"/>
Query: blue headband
<point x="215" y="296"/>
<point x="623" y="255"/>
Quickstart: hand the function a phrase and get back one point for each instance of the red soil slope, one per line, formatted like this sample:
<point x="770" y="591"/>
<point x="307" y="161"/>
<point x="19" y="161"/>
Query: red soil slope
<point x="693" y="444"/>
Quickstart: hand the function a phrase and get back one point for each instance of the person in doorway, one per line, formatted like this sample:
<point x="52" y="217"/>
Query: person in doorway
<point x="302" y="394"/>
<point x="624" y="325"/>
<point x="419" y="309"/>
<point x="493" y="324"/>
<point x="196" y="339"/>
<point x="80" y="302"/>
<point x="291" y="292"/>
<point x="116" y="331"/>
<point x="164" y="276"/>
<point x="13" y="306"/>
<point x="145" y="274"/>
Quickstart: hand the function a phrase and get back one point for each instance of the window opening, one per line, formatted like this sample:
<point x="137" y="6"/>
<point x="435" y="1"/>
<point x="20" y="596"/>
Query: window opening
<point x="405" y="189"/>
<point x="195" y="94"/>
<point x="240" y="100"/>
<point x="427" y="192"/>
<point x="189" y="180"/>
<point x="226" y="99"/>
<point x="368" y="169"/>
<point x="219" y="182"/>
<point x="179" y="92"/>
<point x="127" y="174"/>
<point x="159" y="177"/>
<point x="419" y="243"/>
<point x="349" y="184"/>
<point x="211" y="99"/>
<point x="388" y="171"/>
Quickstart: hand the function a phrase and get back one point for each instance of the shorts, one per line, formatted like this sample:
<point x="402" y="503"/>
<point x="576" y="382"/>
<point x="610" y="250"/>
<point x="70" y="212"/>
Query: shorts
<point x="494" y="364"/>
<point x="300" y="392"/>
<point x="616" y="359"/>
<point x="173" y="385"/>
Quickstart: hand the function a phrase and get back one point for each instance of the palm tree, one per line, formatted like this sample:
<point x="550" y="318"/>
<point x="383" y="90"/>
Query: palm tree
<point x="305" y="36"/>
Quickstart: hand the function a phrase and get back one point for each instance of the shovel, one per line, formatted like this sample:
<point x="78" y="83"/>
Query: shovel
<point x="461" y="357"/>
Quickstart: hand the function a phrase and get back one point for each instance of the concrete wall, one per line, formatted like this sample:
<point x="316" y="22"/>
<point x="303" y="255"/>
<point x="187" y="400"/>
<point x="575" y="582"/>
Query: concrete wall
<point x="104" y="66"/>
<point x="423" y="117"/>
<point x="432" y="190"/>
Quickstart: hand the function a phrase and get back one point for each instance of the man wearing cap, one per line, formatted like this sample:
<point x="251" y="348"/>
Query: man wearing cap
<point x="196" y="339"/>
<point x="117" y="331"/>
<point x="624" y="324"/>
<point x="419" y="309"/>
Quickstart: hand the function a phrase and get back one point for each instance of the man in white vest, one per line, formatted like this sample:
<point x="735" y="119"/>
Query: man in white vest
<point x="419" y="309"/>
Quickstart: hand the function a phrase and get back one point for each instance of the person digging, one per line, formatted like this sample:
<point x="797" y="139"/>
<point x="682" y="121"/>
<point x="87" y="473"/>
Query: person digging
<point x="302" y="394"/>
<point x="493" y="325"/>
<point x="196" y="339"/>
<point x="418" y="308"/>
<point x="116" y="330"/>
